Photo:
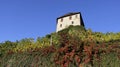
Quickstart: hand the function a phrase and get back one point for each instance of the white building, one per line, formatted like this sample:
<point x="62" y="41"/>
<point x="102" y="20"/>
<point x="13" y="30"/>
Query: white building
<point x="69" y="19"/>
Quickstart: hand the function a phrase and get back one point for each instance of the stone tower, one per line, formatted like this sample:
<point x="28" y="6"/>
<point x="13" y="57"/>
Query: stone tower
<point x="69" y="19"/>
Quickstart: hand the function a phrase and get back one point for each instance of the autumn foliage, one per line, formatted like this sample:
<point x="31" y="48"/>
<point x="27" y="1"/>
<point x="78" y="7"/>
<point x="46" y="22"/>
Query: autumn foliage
<point x="71" y="47"/>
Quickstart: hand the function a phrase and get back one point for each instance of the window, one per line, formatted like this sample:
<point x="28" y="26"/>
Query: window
<point x="60" y="25"/>
<point x="61" y="19"/>
<point x="72" y="22"/>
<point x="70" y="17"/>
<point x="76" y="16"/>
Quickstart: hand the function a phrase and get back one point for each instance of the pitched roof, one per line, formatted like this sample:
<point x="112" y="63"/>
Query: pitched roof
<point x="73" y="13"/>
<point x="68" y="14"/>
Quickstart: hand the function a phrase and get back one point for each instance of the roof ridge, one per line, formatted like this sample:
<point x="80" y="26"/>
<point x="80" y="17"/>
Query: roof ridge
<point x="68" y="14"/>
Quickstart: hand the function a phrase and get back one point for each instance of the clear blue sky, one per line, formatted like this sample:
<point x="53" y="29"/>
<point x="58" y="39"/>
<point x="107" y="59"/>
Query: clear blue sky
<point x="32" y="18"/>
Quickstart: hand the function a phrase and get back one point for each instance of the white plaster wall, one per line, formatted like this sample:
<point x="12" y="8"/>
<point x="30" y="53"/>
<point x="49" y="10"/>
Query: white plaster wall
<point x="67" y="22"/>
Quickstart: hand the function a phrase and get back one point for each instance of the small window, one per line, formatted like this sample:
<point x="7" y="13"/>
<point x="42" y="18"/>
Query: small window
<point x="60" y="25"/>
<point x="61" y="19"/>
<point x="72" y="22"/>
<point x="76" y="16"/>
<point x="70" y="17"/>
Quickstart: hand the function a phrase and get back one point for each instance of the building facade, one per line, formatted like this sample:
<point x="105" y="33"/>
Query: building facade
<point x="69" y="19"/>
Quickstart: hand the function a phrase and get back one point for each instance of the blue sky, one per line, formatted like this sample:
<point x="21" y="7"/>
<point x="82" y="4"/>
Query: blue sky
<point x="32" y="18"/>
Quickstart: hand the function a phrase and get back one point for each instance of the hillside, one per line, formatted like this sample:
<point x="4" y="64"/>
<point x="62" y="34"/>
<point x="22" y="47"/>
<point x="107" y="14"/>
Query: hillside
<point x="72" y="47"/>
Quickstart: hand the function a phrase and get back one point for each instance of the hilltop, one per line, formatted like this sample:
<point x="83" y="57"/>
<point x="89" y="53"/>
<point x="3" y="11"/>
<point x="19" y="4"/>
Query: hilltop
<point x="74" y="46"/>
